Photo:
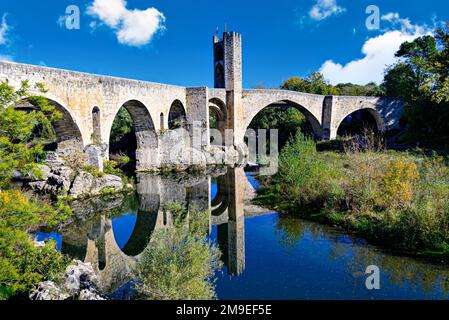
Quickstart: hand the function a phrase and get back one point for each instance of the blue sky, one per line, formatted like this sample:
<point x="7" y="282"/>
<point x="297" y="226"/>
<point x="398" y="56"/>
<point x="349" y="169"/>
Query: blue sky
<point x="171" y="43"/>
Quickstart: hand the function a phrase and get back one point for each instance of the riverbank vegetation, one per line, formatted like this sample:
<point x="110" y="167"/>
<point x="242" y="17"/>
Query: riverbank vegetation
<point x="397" y="198"/>
<point x="400" y="199"/>
<point x="23" y="262"/>
<point x="180" y="263"/>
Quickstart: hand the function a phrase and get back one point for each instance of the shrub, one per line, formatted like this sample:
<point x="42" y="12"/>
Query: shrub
<point x="180" y="263"/>
<point x="22" y="264"/>
<point x="399" y="182"/>
<point x="92" y="170"/>
<point x="177" y="267"/>
<point x="305" y="177"/>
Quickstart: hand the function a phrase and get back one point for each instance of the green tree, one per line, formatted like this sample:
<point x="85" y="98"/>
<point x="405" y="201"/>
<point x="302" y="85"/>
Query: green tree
<point x="349" y="89"/>
<point x="421" y="78"/>
<point x="22" y="133"/>
<point x="22" y="138"/>
<point x="313" y="83"/>
<point x="439" y="83"/>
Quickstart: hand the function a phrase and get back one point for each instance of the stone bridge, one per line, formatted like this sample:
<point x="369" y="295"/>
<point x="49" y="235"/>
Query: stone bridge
<point x="89" y="104"/>
<point x="93" y="239"/>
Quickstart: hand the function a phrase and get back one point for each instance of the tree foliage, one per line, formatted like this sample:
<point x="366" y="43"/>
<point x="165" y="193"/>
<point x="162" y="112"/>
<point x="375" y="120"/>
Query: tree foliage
<point x="313" y="83"/>
<point x="123" y="125"/>
<point x="22" y="263"/>
<point x="421" y="78"/>
<point x="22" y="137"/>
<point x="316" y="83"/>
<point x="22" y="134"/>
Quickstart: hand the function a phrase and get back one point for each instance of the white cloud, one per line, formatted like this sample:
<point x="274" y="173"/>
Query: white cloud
<point x="132" y="27"/>
<point x="324" y="9"/>
<point x="379" y="52"/>
<point x="404" y="24"/>
<point x="4" y="28"/>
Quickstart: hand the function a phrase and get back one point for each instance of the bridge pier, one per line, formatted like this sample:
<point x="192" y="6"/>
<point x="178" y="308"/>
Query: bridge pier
<point x="326" y="128"/>
<point x="96" y="155"/>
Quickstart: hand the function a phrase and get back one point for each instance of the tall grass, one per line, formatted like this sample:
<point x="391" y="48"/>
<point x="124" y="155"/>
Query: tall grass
<point x="394" y="198"/>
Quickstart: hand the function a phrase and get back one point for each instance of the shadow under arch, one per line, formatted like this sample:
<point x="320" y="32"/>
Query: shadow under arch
<point x="360" y="120"/>
<point x="312" y="121"/>
<point x="68" y="137"/>
<point x="177" y="116"/>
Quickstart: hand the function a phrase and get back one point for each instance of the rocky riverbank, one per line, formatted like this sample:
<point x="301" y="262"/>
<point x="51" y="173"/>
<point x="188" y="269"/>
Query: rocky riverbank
<point x="77" y="283"/>
<point x="57" y="178"/>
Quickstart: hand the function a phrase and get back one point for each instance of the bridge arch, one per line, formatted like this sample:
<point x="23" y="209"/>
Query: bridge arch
<point x="217" y="118"/>
<point x="145" y="134"/>
<point x="311" y="119"/>
<point x="69" y="139"/>
<point x="177" y="116"/>
<point x="141" y="235"/>
<point x="219" y="107"/>
<point x="369" y="117"/>
<point x="220" y="202"/>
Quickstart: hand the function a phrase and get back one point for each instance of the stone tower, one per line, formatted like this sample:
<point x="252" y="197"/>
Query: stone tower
<point x="228" y="75"/>
<point x="228" y="61"/>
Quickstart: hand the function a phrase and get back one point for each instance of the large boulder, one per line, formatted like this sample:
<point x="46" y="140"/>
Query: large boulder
<point x="86" y="184"/>
<point x="82" y="184"/>
<point x="108" y="181"/>
<point x="79" y="276"/>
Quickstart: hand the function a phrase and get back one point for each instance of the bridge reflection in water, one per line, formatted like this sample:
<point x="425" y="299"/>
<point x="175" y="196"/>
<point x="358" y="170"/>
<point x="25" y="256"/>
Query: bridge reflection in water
<point x="94" y="240"/>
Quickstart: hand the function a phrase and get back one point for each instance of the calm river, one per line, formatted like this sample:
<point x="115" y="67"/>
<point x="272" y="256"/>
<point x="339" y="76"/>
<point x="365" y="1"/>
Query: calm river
<point x="266" y="255"/>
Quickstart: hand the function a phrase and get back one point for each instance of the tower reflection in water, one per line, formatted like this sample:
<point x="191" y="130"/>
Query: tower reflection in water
<point x="95" y="240"/>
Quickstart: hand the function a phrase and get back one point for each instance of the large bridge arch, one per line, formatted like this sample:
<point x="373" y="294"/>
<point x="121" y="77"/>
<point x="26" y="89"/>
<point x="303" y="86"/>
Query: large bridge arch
<point x="374" y="114"/>
<point x="69" y="138"/>
<point x="311" y="119"/>
<point x="310" y="105"/>
<point x="147" y="139"/>
<point x="385" y="111"/>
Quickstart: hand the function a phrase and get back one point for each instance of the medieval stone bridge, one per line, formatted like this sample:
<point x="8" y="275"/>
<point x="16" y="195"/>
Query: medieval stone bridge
<point x="92" y="239"/>
<point x="89" y="104"/>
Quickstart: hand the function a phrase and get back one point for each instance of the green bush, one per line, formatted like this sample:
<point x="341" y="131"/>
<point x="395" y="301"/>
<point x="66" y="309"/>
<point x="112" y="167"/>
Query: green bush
<point x="22" y="264"/>
<point x="92" y="170"/>
<point x="305" y="178"/>
<point x="22" y="134"/>
<point x="180" y="263"/>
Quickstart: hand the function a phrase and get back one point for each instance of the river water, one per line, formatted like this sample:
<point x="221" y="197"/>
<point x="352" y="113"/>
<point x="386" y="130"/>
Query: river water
<point x="266" y="255"/>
